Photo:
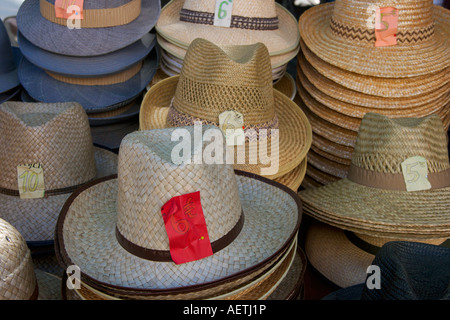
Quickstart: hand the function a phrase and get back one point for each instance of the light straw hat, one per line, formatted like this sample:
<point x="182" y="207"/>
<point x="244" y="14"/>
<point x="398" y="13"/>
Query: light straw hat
<point x="385" y="192"/>
<point x="115" y="225"/>
<point x="213" y="81"/>
<point x="57" y="137"/>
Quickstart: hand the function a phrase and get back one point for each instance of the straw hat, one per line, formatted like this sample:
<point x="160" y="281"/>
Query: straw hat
<point x="213" y="81"/>
<point x="342" y="34"/>
<point x="181" y="21"/>
<point x="106" y="26"/>
<point x="377" y="197"/>
<point x="57" y="137"/>
<point x="114" y="231"/>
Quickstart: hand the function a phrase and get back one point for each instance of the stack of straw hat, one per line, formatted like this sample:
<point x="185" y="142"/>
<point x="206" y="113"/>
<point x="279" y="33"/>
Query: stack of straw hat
<point x="342" y="75"/>
<point x="103" y="61"/>
<point x="268" y="22"/>
<point x="397" y="188"/>
<point x="215" y="80"/>
<point x="10" y="57"/>
<point x="116" y="229"/>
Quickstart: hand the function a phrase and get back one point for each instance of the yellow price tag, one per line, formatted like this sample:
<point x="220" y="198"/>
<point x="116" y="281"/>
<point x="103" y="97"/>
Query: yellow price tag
<point x="415" y="174"/>
<point x="231" y="123"/>
<point x="30" y="179"/>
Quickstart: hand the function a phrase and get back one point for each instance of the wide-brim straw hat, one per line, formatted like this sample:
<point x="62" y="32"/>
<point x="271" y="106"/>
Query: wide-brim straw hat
<point x="339" y="34"/>
<point x="94" y="229"/>
<point x="246" y="70"/>
<point x="268" y="22"/>
<point x="104" y="93"/>
<point x="373" y="198"/>
<point x="127" y="22"/>
<point x="57" y="137"/>
<point x="341" y="256"/>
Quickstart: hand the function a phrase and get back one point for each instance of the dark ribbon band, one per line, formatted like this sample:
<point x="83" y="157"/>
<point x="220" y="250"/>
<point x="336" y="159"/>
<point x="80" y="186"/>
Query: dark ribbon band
<point x="164" y="255"/>
<point x="360" y="243"/>
<point x="250" y="23"/>
<point x="53" y="192"/>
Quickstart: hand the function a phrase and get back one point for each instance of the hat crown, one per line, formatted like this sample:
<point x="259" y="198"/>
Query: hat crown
<point x="7" y="59"/>
<point x="17" y="276"/>
<point x="148" y="179"/>
<point x="216" y="79"/>
<point x="56" y="135"/>
<point x="243" y="8"/>
<point x="384" y="143"/>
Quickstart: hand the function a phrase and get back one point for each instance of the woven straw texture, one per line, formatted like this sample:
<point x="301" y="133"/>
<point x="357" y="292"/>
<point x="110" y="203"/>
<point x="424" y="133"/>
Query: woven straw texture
<point x="18" y="281"/>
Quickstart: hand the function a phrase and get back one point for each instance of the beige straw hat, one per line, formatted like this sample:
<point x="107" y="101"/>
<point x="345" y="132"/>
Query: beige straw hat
<point x="56" y="136"/>
<point x="213" y="81"/>
<point x="388" y="190"/>
<point x="342" y="33"/>
<point x="181" y="21"/>
<point x="114" y="231"/>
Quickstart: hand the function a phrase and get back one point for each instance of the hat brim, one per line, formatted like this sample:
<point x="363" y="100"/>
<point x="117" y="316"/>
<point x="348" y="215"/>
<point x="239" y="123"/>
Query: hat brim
<point x="88" y="66"/>
<point x="8" y="95"/>
<point x="10" y="80"/>
<point x="86" y="41"/>
<point x="110" y="136"/>
<point x="391" y="62"/>
<point x="36" y="219"/>
<point x="295" y="133"/>
<point x="285" y="39"/>
<point x="294" y="179"/>
<point x="86" y="237"/>
<point x="42" y="87"/>
<point x="104" y="119"/>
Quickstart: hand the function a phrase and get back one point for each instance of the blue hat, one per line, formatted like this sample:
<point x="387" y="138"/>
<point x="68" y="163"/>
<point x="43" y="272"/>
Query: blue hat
<point x="8" y="62"/>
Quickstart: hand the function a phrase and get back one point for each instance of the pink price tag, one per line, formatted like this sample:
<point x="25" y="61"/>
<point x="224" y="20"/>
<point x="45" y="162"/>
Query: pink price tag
<point x="386" y="22"/>
<point x="69" y="9"/>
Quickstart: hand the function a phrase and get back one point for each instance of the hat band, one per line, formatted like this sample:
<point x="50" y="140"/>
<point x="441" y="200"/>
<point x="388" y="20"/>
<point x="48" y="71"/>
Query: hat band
<point x="164" y="255"/>
<point x="249" y="23"/>
<point x="394" y="181"/>
<point x="368" y="35"/>
<point x="97" y="18"/>
<point x="252" y="132"/>
<point x="116" y="78"/>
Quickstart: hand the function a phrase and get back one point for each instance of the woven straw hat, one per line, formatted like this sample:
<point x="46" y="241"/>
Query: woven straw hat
<point x="181" y="21"/>
<point x="213" y="81"/>
<point x="373" y="199"/>
<point x="342" y="34"/>
<point x="114" y="231"/>
<point x="56" y="136"/>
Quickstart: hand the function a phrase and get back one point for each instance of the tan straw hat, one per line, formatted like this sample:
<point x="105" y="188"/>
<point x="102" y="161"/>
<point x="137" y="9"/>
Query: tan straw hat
<point x="214" y="81"/>
<point x="114" y="230"/>
<point x="343" y="34"/>
<point x="48" y="149"/>
<point x="397" y="185"/>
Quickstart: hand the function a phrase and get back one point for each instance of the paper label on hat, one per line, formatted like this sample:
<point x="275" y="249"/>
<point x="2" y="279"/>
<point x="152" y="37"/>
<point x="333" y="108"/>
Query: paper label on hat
<point x="231" y="123"/>
<point x="223" y="13"/>
<point x="186" y="228"/>
<point x="30" y="178"/>
<point x="69" y="9"/>
<point x="386" y="22"/>
<point x="415" y="174"/>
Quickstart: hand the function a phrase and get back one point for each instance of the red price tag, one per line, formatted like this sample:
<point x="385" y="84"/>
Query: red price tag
<point x="186" y="228"/>
<point x="66" y="9"/>
<point x="386" y="22"/>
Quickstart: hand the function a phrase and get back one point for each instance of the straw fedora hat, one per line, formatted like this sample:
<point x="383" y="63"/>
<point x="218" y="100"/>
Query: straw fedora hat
<point x="106" y="26"/>
<point x="115" y="225"/>
<point x="213" y="81"/>
<point x="57" y="137"/>
<point x="181" y="21"/>
<point x="342" y="33"/>
<point x="385" y="193"/>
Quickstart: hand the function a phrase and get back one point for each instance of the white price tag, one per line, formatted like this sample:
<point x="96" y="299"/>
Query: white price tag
<point x="223" y="13"/>
<point x="415" y="173"/>
<point x="232" y="125"/>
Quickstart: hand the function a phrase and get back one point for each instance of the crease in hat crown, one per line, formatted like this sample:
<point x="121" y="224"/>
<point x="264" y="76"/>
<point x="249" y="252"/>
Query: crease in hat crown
<point x="215" y="79"/>
<point x="148" y="178"/>
<point x="56" y="135"/>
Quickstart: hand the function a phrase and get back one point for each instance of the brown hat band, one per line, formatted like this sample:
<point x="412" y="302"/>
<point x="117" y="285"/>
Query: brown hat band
<point x="394" y="181"/>
<point x="97" y="18"/>
<point x="164" y="255"/>
<point x="250" y="23"/>
<point x="53" y="192"/>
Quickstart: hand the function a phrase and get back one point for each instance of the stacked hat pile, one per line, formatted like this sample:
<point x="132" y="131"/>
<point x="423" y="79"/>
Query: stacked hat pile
<point x="160" y="248"/>
<point x="387" y="57"/>
<point x="397" y="188"/>
<point x="229" y="23"/>
<point x="10" y="57"/>
<point x="97" y="53"/>
<point x="232" y="88"/>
